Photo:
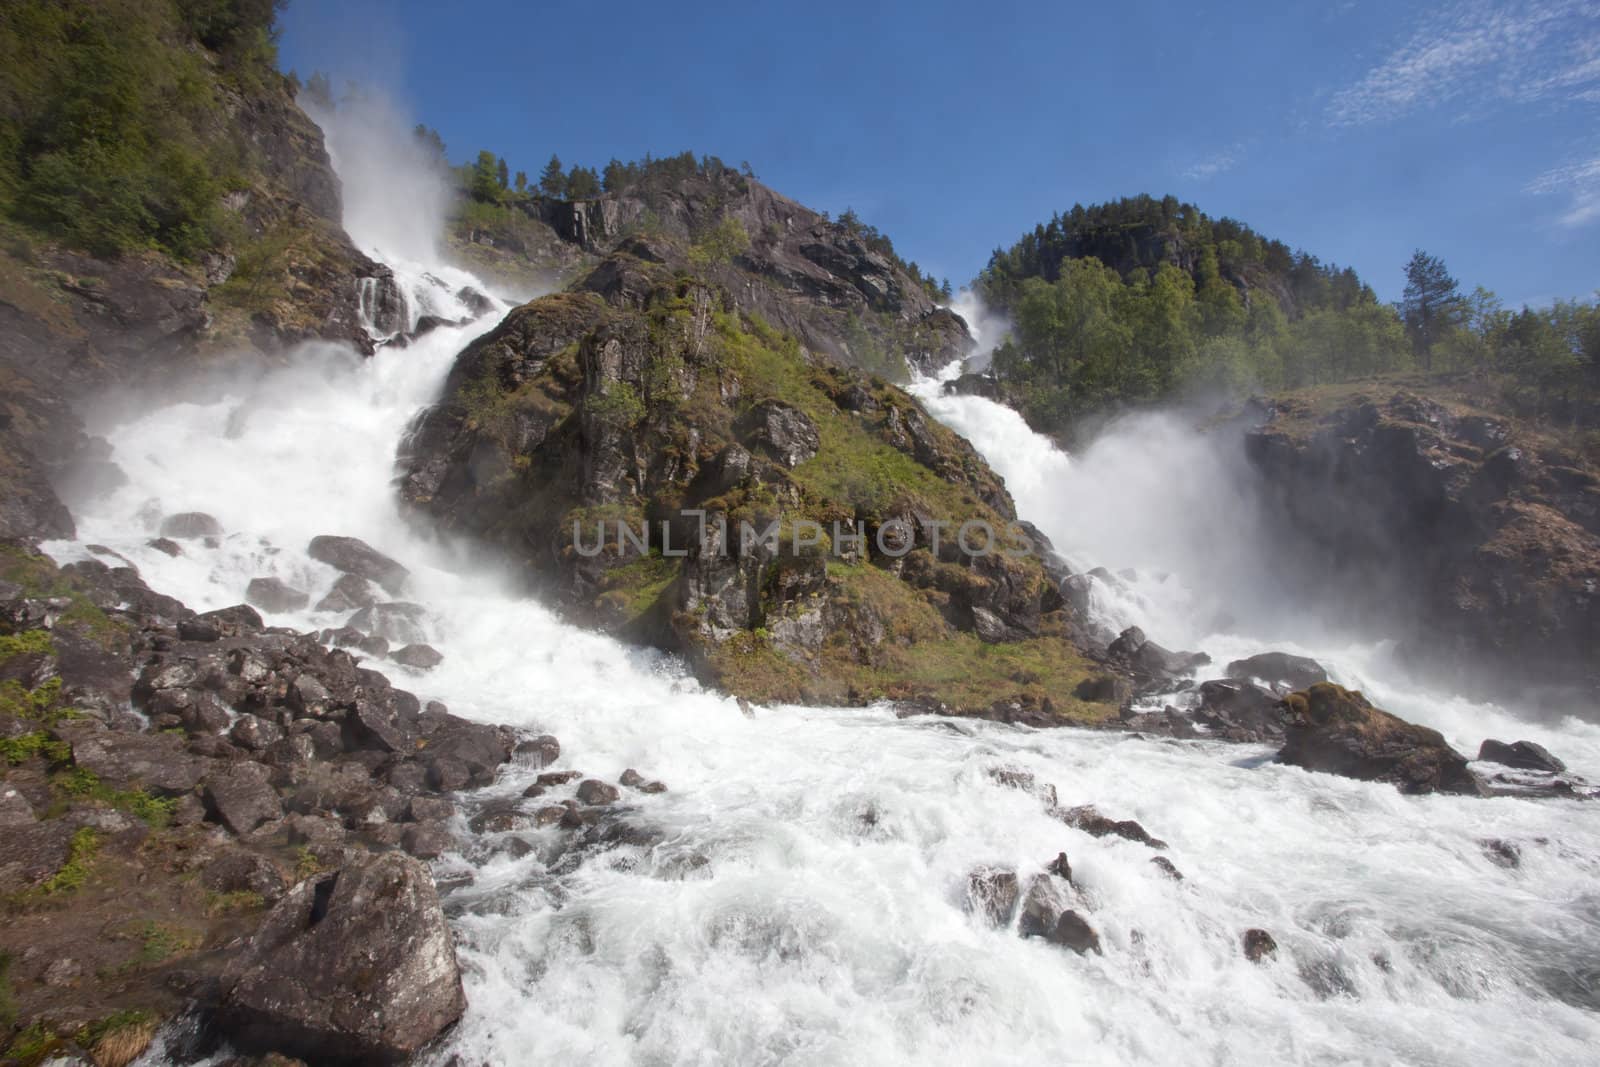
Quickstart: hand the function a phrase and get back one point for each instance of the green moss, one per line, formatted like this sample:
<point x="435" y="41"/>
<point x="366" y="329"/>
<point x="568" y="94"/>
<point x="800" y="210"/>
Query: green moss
<point x="8" y="1000"/>
<point x="634" y="588"/>
<point x="159" y="942"/>
<point x="80" y="784"/>
<point x="33" y="1045"/>
<point x="306" y="863"/>
<point x="16" y="750"/>
<point x="236" y="901"/>
<point x="39" y="577"/>
<point x="35" y="642"/>
<point x="80" y="858"/>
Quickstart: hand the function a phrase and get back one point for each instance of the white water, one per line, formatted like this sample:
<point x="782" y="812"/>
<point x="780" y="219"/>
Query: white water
<point x="827" y="926"/>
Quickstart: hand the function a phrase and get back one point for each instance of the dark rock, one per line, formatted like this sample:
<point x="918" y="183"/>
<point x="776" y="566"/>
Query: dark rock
<point x="1339" y="732"/>
<point x="538" y="751"/>
<point x="237" y="621"/>
<point x="783" y="432"/>
<point x="33" y="852"/>
<point x="1061" y="867"/>
<point x="1241" y="711"/>
<point x="399" y="622"/>
<point x="356" y="965"/>
<point x="255" y="734"/>
<point x="1104" y="689"/>
<point x="429" y="809"/>
<point x="427" y="841"/>
<point x="1167" y="867"/>
<point x="993" y="892"/>
<point x="1258" y="945"/>
<point x="500" y="817"/>
<point x="158" y="763"/>
<point x="1073" y="931"/>
<point x="1280" y="669"/>
<point x="1151" y="662"/>
<point x="350" y="593"/>
<point x="1016" y="778"/>
<point x="593" y="791"/>
<point x="273" y="594"/>
<point x="1088" y="819"/>
<point x="353" y="556"/>
<point x="166" y="545"/>
<point x="238" y="870"/>
<point x="241" y="797"/>
<point x="190" y="526"/>
<point x="418" y="657"/>
<point x="1522" y="755"/>
<point x="989" y="627"/>
<point x="1041" y="907"/>
<point x="1501" y="853"/>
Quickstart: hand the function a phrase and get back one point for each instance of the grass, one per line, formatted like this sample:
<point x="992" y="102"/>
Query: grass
<point x="118" y="1039"/>
<point x="82" y="785"/>
<point x="80" y="858"/>
<point x="229" y="903"/>
<point x="20" y="749"/>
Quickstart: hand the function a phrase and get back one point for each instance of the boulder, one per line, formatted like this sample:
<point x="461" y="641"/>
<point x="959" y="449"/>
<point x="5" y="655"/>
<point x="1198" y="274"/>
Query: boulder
<point x="190" y="526"/>
<point x="276" y="595"/>
<point x="241" y="797"/>
<point x="1521" y="755"/>
<point x="1042" y="906"/>
<point x="356" y="965"/>
<point x="350" y="593"/>
<point x="398" y="621"/>
<point x="594" y="791"/>
<point x="1150" y="661"/>
<point x="1073" y="931"/>
<point x="1241" y="711"/>
<point x="1279" y="669"/>
<point x="418" y="656"/>
<point x="237" y="621"/>
<point x="1338" y="731"/>
<point x="992" y="892"/>
<point x="354" y="556"/>
<point x="1258" y="945"/>
<point x="1088" y="819"/>
<point x="158" y="763"/>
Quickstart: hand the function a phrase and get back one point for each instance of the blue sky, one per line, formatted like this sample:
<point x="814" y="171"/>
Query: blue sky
<point x="1357" y="131"/>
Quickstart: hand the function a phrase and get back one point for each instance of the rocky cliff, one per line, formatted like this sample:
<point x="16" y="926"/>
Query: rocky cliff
<point x="651" y="398"/>
<point x="801" y="272"/>
<point x="1476" y="538"/>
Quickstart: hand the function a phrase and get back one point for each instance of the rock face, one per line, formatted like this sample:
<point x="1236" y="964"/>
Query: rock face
<point x="682" y="475"/>
<point x="806" y="275"/>
<point x="1522" y="755"/>
<point x="1477" y="542"/>
<point x="354" y="556"/>
<point x="356" y="965"/>
<point x="1338" y="731"/>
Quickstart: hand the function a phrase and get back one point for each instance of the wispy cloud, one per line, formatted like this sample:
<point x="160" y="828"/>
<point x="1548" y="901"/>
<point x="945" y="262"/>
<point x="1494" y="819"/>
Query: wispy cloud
<point x="1213" y="165"/>
<point x="1478" y="53"/>
<point x="1580" y="183"/>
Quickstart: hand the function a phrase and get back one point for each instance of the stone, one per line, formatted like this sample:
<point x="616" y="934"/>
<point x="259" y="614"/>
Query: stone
<point x="1042" y="906"/>
<point x="992" y="892"/>
<point x="1521" y="755"/>
<point x="1167" y="867"/>
<point x="350" y="593"/>
<point x="538" y="751"/>
<point x="990" y="628"/>
<point x="354" y="556"/>
<point x="1501" y="853"/>
<point x="158" y="763"/>
<point x="190" y="526"/>
<point x="418" y="657"/>
<point x="275" y="595"/>
<point x="398" y="622"/>
<point x="427" y="840"/>
<point x="1073" y="931"/>
<point x="165" y="545"/>
<point x="593" y="791"/>
<point x="1279" y="669"/>
<point x="1258" y="945"/>
<point x="1241" y="711"/>
<point x="1061" y="867"/>
<point x="238" y="870"/>
<point x="241" y="797"/>
<point x="783" y="432"/>
<point x="1338" y="731"/>
<point x="1088" y="819"/>
<point x="356" y="965"/>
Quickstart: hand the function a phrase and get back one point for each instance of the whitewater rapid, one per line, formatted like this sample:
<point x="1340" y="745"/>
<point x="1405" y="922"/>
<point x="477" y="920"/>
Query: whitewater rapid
<point x="805" y="904"/>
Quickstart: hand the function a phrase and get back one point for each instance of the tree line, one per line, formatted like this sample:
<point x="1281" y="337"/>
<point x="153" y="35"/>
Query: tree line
<point x="1141" y="300"/>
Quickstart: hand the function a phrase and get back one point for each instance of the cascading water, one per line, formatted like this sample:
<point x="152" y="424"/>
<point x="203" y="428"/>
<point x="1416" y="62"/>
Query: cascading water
<point x="804" y="900"/>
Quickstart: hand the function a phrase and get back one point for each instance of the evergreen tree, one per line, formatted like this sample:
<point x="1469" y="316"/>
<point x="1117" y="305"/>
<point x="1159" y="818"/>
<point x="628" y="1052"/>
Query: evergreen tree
<point x="553" y="180"/>
<point x="522" y="181"/>
<point x="1432" y="305"/>
<point x="502" y="173"/>
<point x="582" y="183"/>
<point x="483" y="181"/>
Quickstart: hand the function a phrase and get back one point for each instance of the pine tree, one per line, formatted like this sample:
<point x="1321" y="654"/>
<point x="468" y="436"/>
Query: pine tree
<point x="1432" y="305"/>
<point x="553" y="180"/>
<point x="483" y="183"/>
<point x="502" y="173"/>
<point x="522" y="181"/>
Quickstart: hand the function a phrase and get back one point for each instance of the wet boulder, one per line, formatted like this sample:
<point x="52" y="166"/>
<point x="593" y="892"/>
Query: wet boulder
<point x="1089" y="819"/>
<point x="1279" y="669"/>
<point x="350" y="593"/>
<point x="992" y="892"/>
<point x="1520" y="755"/>
<point x="1240" y="711"/>
<point x="356" y="965"/>
<point x="418" y="657"/>
<point x="1338" y="731"/>
<point x="275" y="595"/>
<point x="190" y="526"/>
<point x="159" y="763"/>
<point x="354" y="556"/>
<point x="1150" y="661"/>
<point x="398" y="622"/>
<point x="1258" y="945"/>
<point x="241" y="797"/>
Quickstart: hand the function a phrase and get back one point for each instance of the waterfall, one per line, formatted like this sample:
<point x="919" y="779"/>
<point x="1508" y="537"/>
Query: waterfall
<point x="802" y="900"/>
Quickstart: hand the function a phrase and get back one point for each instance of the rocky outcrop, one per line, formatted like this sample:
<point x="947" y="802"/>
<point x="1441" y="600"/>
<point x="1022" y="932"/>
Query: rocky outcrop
<point x="801" y="272"/>
<point x="1473" y="540"/>
<point x="1339" y="732"/>
<point x="263" y="768"/>
<point x="684" y="475"/>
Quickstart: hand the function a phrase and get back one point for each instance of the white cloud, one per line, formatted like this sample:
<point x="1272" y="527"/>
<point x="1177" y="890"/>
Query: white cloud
<point x="1213" y="165"/>
<point x="1478" y="53"/>
<point x="1580" y="183"/>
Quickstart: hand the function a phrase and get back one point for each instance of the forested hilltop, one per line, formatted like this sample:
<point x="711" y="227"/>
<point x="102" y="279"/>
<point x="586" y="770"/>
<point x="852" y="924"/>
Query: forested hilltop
<point x="1141" y="300"/>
